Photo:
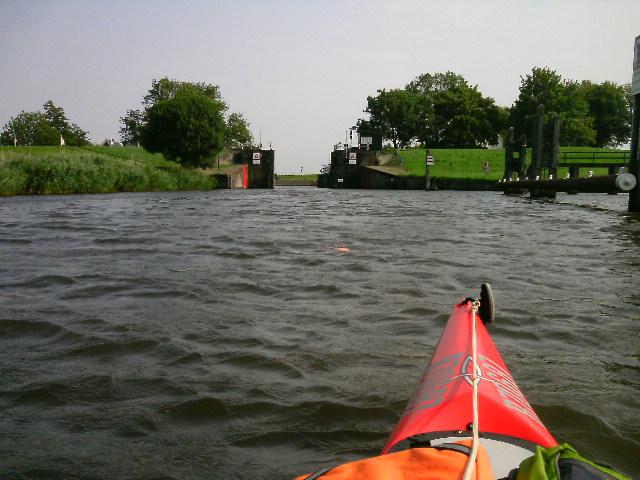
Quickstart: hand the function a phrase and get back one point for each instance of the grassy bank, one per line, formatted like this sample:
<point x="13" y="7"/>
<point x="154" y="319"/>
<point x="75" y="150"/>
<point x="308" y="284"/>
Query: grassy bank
<point x="467" y="163"/>
<point x="68" y="170"/>
<point x="293" y="180"/>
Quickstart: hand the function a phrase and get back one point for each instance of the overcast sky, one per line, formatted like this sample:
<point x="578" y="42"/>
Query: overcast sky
<point x="300" y="71"/>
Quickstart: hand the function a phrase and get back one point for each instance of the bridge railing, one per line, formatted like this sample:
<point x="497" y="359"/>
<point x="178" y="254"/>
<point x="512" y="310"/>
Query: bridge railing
<point x="594" y="159"/>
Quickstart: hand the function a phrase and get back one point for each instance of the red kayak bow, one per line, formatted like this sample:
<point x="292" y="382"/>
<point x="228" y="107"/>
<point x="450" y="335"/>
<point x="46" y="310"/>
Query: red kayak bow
<point x="442" y="404"/>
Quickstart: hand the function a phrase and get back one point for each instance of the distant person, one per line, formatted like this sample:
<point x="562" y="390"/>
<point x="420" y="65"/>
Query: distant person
<point x="485" y="167"/>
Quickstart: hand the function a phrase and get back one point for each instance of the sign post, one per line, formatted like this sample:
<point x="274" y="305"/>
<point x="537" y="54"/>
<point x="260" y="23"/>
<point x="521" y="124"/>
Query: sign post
<point x="634" y="162"/>
<point x="428" y="161"/>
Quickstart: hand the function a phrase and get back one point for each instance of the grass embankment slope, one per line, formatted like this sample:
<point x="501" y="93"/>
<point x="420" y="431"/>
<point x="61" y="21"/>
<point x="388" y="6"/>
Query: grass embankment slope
<point x="68" y="170"/>
<point x="467" y="163"/>
<point x="297" y="180"/>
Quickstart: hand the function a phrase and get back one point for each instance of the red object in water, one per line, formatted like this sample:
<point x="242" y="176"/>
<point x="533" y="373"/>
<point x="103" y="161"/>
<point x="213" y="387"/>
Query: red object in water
<point x="443" y="402"/>
<point x="245" y="177"/>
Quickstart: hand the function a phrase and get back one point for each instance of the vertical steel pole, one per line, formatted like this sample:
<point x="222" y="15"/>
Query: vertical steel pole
<point x="634" y="161"/>
<point x="427" y="171"/>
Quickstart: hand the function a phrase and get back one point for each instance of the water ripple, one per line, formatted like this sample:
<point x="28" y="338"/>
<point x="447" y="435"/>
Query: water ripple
<point x="222" y="333"/>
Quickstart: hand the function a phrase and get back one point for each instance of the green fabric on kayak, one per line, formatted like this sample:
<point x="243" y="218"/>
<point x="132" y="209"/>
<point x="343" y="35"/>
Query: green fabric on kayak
<point x="563" y="462"/>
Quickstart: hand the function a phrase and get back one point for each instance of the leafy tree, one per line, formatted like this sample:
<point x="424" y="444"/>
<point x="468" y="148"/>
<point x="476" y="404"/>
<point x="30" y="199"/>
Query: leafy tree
<point x="46" y="134"/>
<point x="397" y="115"/>
<point x="166" y="89"/>
<point x="43" y="128"/>
<point x="75" y="136"/>
<point x="163" y="89"/>
<point x="430" y="83"/>
<point x="131" y="125"/>
<point x="238" y="132"/>
<point x="72" y="133"/>
<point x="55" y="116"/>
<point x="29" y="129"/>
<point x="559" y="97"/>
<point x="610" y="110"/>
<point x="462" y="116"/>
<point x="188" y="128"/>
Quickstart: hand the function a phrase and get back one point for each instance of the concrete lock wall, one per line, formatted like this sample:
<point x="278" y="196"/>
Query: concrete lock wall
<point x="347" y="169"/>
<point x="260" y="166"/>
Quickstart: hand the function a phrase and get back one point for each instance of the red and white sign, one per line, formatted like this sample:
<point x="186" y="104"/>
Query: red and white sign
<point x="635" y="82"/>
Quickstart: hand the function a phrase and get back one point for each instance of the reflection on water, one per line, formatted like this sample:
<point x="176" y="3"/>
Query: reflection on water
<point x="223" y="335"/>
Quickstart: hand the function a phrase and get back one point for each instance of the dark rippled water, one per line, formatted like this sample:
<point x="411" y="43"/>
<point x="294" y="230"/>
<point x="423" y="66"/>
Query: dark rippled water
<point x="221" y="335"/>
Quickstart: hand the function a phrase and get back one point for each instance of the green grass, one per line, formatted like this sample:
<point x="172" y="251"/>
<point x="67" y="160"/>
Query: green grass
<point x="68" y="170"/>
<point x="312" y="177"/>
<point x="136" y="154"/>
<point x="467" y="163"/>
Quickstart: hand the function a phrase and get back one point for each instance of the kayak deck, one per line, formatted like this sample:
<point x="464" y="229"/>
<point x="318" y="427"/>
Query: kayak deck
<point x="443" y="402"/>
<point x="504" y="456"/>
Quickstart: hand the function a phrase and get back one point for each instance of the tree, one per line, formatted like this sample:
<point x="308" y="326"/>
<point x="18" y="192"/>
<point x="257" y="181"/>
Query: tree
<point x="29" y="129"/>
<point x="166" y="89"/>
<point x="559" y="97"/>
<point x="43" y="128"/>
<point x="462" y="116"/>
<point x="238" y="132"/>
<point x="611" y="113"/>
<point x="45" y="134"/>
<point x="163" y="89"/>
<point x="430" y="83"/>
<point x="73" y="135"/>
<point x="131" y="125"/>
<point x="187" y="128"/>
<point x="397" y="115"/>
<point x="55" y="116"/>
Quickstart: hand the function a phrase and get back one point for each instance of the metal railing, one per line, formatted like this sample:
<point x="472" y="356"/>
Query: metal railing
<point x="594" y="159"/>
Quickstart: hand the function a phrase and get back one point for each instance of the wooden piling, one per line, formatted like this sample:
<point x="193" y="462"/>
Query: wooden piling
<point x="539" y="142"/>
<point x="555" y="147"/>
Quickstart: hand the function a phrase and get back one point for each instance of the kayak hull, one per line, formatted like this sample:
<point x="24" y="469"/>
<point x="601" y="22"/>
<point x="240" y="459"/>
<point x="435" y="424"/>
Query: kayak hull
<point x="442" y="405"/>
